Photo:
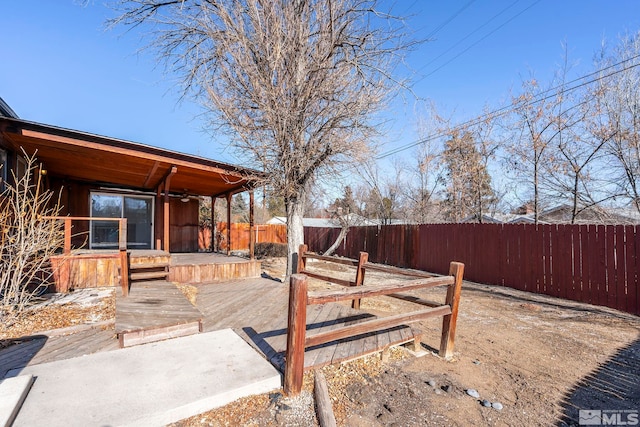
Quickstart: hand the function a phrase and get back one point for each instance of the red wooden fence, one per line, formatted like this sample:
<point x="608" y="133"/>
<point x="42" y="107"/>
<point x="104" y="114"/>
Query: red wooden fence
<point x="596" y="264"/>
<point x="271" y="233"/>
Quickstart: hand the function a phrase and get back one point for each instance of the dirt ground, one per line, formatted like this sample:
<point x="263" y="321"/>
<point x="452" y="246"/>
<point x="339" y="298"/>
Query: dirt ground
<point x="540" y="359"/>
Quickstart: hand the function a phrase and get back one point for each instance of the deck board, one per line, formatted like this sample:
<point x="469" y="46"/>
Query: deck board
<point x="255" y="308"/>
<point x="153" y="304"/>
<point x="153" y="311"/>
<point x="259" y="316"/>
<point x="42" y="349"/>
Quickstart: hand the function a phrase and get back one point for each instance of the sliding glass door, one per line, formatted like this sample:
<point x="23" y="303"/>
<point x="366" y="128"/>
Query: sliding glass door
<point x="139" y="213"/>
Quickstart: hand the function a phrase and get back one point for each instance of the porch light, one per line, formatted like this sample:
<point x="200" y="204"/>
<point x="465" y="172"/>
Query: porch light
<point x="185" y="198"/>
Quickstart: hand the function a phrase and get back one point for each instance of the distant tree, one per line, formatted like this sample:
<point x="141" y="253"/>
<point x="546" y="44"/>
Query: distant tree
<point x="425" y="173"/>
<point x="577" y="171"/>
<point x="295" y="83"/>
<point x="346" y="203"/>
<point x="239" y="209"/>
<point x="383" y="198"/>
<point x="275" y="204"/>
<point x="532" y="132"/>
<point x="468" y="188"/>
<point x="617" y="99"/>
<point x="204" y="212"/>
<point x="342" y="212"/>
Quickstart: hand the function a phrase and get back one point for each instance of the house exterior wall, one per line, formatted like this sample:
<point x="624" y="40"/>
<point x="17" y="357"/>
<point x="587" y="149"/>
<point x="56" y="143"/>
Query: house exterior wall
<point x="183" y="225"/>
<point x="75" y="199"/>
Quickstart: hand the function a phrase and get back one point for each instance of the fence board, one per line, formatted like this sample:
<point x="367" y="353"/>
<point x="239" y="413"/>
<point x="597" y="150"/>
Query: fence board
<point x="601" y="262"/>
<point x="634" y="294"/>
<point x="621" y="303"/>
<point x="575" y="255"/>
<point x="630" y="275"/>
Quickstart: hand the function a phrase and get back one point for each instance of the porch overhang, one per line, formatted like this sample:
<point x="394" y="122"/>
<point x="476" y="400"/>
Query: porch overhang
<point x="80" y="156"/>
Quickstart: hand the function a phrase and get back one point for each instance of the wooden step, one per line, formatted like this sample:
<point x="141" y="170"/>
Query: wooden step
<point x="147" y="275"/>
<point x="144" y="336"/>
<point x="148" y="265"/>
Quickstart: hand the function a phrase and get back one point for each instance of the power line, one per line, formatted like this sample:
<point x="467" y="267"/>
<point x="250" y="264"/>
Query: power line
<point x="543" y="96"/>
<point x="448" y="20"/>
<point x="481" y="39"/>
<point x="467" y="36"/>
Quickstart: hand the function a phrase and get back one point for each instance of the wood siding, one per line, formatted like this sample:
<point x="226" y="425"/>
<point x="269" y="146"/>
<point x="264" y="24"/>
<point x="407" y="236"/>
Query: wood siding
<point x="183" y="225"/>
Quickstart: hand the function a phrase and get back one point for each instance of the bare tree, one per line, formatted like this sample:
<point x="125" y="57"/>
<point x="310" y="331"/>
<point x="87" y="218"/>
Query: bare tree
<point x="533" y="131"/>
<point x="617" y="99"/>
<point x="426" y="175"/>
<point x="384" y="198"/>
<point x="576" y="170"/>
<point x="27" y="241"/>
<point x="295" y="83"/>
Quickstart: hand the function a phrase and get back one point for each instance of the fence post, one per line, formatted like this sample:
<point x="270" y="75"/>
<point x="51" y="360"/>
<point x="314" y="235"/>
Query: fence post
<point x="301" y="259"/>
<point x="364" y="257"/>
<point x="297" y="325"/>
<point x="456" y="269"/>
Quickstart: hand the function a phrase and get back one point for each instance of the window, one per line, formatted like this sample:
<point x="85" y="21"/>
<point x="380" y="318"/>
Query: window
<point x="139" y="213"/>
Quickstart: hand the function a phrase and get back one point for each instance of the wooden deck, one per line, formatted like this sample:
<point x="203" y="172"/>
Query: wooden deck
<point x="210" y="267"/>
<point x="153" y="311"/>
<point x="43" y="349"/>
<point x="257" y="310"/>
<point x="99" y="268"/>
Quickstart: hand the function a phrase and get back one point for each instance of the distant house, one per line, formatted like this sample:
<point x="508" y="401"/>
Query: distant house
<point x="496" y="218"/>
<point x="562" y="214"/>
<point x="352" y="219"/>
<point x="156" y="190"/>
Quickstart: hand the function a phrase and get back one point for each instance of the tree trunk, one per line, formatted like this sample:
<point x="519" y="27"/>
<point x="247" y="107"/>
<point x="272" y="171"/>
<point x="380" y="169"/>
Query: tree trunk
<point x="295" y="229"/>
<point x="341" y="236"/>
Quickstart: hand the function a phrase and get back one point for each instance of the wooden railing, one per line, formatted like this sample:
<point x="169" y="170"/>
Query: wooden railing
<point x="122" y="255"/>
<point x="300" y="298"/>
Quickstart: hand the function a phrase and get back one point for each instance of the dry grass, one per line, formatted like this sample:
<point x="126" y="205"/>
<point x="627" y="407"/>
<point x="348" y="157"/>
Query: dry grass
<point x="189" y="291"/>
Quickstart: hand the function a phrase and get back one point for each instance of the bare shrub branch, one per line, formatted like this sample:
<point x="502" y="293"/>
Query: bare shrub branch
<point x="27" y="240"/>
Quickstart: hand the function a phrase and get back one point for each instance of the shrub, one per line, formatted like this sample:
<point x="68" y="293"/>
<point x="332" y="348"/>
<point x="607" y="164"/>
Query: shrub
<point x="267" y="250"/>
<point x="28" y="237"/>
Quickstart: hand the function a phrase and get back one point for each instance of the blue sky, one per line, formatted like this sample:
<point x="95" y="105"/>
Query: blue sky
<point x="59" y="66"/>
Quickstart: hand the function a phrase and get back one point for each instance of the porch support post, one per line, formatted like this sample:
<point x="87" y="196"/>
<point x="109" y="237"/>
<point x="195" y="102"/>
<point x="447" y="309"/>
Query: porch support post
<point x="157" y="220"/>
<point x="252" y="234"/>
<point x="167" y="186"/>
<point x="213" y="223"/>
<point x="229" y="198"/>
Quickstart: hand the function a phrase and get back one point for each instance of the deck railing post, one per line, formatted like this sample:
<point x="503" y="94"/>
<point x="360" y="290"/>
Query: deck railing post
<point x="124" y="257"/>
<point x="297" y="325"/>
<point x="364" y="257"/>
<point x="449" y="321"/>
<point x="67" y="235"/>
<point x="301" y="259"/>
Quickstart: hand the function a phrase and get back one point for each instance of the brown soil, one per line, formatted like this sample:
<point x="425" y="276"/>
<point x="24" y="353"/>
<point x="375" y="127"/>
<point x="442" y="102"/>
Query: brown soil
<point x="542" y="358"/>
<point x="53" y="312"/>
